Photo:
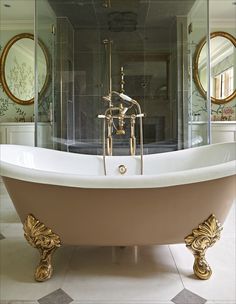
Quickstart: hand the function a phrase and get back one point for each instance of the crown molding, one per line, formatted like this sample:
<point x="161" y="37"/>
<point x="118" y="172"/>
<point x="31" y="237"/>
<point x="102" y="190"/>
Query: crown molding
<point x="8" y="25"/>
<point x="222" y="23"/>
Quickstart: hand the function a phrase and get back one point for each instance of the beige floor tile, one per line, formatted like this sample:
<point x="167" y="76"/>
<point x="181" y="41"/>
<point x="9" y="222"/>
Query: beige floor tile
<point x="18" y="261"/>
<point x="221" y="258"/>
<point x="92" y="275"/>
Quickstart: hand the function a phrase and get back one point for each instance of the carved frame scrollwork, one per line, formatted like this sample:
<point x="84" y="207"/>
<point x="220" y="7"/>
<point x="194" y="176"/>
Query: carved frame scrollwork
<point x="3" y="57"/>
<point x="196" y="72"/>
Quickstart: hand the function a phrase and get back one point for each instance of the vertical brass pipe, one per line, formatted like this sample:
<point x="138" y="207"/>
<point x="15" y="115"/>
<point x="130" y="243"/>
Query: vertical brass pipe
<point x="141" y="142"/>
<point x="122" y="82"/>
<point x="140" y="134"/>
<point x="108" y="48"/>
<point x="109" y="136"/>
<point x="104" y="146"/>
<point x="109" y="145"/>
<point x="110" y="65"/>
<point x="132" y="137"/>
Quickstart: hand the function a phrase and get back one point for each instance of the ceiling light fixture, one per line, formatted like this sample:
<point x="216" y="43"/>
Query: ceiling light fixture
<point x="7" y="5"/>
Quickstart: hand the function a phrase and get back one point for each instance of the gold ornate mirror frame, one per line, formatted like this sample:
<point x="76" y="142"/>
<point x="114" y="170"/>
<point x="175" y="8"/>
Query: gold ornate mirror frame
<point x="3" y="63"/>
<point x="195" y="67"/>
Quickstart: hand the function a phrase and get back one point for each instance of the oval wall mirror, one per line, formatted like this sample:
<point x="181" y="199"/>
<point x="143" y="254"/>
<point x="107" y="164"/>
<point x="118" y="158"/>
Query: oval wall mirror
<point x="222" y="57"/>
<point x="17" y="68"/>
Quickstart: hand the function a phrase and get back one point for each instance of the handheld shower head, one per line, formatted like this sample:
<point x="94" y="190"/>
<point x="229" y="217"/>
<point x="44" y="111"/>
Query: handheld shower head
<point x="125" y="97"/>
<point x="121" y="95"/>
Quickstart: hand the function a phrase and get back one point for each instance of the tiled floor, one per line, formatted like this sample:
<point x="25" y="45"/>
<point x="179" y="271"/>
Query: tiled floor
<point x="87" y="275"/>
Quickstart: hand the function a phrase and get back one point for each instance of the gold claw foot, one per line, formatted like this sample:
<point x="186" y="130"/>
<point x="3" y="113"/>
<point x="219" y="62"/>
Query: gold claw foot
<point x="43" y="272"/>
<point x="199" y="241"/>
<point x="201" y="268"/>
<point x="42" y="238"/>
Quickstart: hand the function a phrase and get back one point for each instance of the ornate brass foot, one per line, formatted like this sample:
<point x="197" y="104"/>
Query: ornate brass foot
<point x="42" y="238"/>
<point x="199" y="241"/>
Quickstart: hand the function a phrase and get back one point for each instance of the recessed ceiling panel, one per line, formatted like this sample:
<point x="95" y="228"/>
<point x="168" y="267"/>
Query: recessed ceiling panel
<point x="118" y="15"/>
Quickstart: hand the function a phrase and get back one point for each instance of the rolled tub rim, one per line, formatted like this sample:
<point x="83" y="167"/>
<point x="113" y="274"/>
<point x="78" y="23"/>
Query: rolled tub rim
<point x="175" y="178"/>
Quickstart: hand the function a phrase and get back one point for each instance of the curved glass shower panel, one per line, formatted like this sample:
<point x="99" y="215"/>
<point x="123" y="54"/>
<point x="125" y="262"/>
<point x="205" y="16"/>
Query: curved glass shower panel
<point x="45" y="106"/>
<point x="198" y="104"/>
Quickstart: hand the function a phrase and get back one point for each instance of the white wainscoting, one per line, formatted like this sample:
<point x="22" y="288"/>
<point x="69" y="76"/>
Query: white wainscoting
<point x="18" y="133"/>
<point x="223" y="131"/>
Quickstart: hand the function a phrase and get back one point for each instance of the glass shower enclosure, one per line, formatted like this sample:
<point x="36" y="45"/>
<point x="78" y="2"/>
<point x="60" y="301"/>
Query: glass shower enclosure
<point x="142" y="48"/>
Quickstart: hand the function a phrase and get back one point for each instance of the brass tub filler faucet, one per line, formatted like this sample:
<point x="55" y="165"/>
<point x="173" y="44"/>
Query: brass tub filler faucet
<point x="114" y="119"/>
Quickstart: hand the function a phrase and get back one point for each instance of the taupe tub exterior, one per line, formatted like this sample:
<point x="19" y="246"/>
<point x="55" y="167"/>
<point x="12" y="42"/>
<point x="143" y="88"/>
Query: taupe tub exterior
<point x="117" y="217"/>
<point x="65" y="199"/>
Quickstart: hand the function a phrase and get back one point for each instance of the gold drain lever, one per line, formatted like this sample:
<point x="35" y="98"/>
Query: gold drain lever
<point x="122" y="169"/>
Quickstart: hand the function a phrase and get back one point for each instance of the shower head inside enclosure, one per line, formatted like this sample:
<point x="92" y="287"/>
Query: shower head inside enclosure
<point x="122" y="21"/>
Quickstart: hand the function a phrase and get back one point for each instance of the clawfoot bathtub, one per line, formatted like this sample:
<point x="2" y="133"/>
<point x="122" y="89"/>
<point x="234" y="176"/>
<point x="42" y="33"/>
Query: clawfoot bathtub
<point x="64" y="198"/>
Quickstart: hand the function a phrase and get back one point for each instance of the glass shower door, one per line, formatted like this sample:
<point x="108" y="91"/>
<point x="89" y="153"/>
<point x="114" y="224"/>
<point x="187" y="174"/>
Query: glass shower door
<point x="199" y="106"/>
<point x="44" y="86"/>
